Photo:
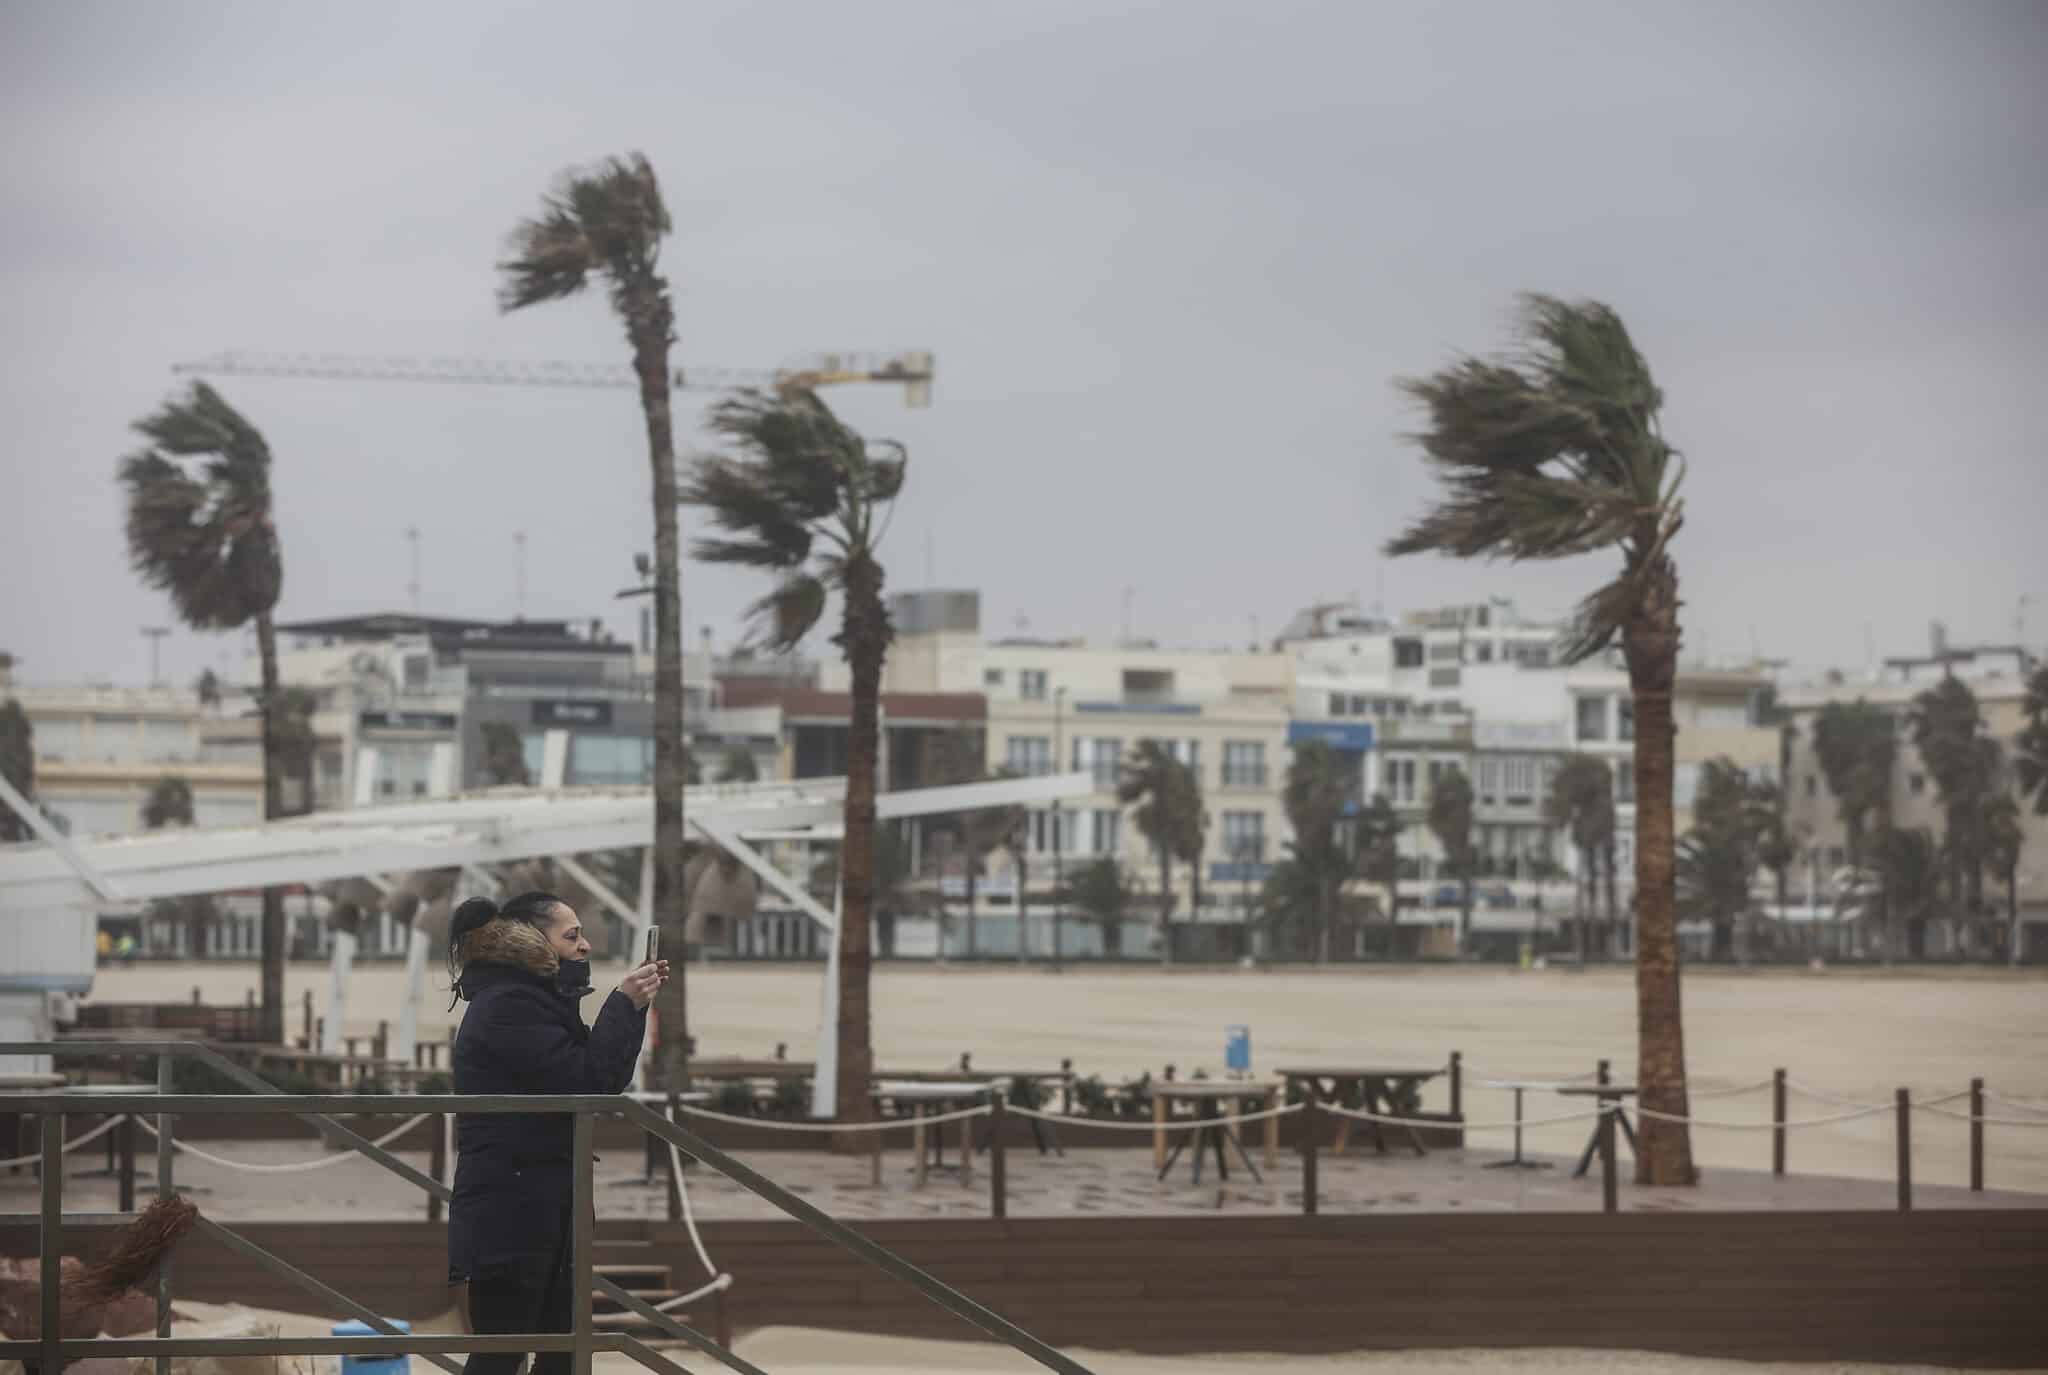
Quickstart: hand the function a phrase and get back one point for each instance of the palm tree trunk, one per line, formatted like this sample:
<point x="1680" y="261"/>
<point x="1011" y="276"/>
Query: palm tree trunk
<point x="1613" y="901"/>
<point x="2012" y="913"/>
<point x="651" y="328"/>
<point x="1165" y="905"/>
<point x="865" y="639"/>
<point x="1650" y="643"/>
<point x="273" y="928"/>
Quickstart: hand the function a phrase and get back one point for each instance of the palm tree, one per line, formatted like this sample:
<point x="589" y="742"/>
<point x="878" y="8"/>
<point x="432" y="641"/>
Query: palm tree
<point x="1948" y="730"/>
<point x="204" y="533"/>
<point x="1103" y="893"/>
<point x="1379" y="852"/>
<point x="1581" y="804"/>
<point x="169" y="804"/>
<point x="1157" y="785"/>
<point x="1717" y="857"/>
<point x="2004" y="838"/>
<point x="806" y="498"/>
<point x="1777" y="845"/>
<point x="207" y="689"/>
<point x="18" y="765"/>
<point x="2030" y="749"/>
<point x="1313" y="797"/>
<point x="738" y="766"/>
<point x="1909" y="870"/>
<point x="504" y="762"/>
<point x="1450" y="820"/>
<point x="1554" y="452"/>
<point x="1856" y="747"/>
<point x="609" y="220"/>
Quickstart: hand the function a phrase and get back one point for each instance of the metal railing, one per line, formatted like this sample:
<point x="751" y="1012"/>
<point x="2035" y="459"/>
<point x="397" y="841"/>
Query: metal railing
<point x="52" y="1349"/>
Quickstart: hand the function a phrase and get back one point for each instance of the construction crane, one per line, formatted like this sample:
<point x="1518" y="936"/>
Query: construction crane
<point x="911" y="370"/>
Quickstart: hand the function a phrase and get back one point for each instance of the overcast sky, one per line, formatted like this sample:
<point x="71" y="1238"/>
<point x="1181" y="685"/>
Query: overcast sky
<point x="1169" y="256"/>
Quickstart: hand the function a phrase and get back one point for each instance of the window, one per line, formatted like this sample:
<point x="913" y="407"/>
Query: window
<point x="1685" y="784"/>
<point x="1188" y="752"/>
<point x="1624" y="782"/>
<point x="1101" y="755"/>
<point x="1244" y="764"/>
<point x="58" y="739"/>
<point x="603" y="760"/>
<point x="1721" y="716"/>
<point x="1244" y="837"/>
<point x="1030" y="755"/>
<point x="1519" y="774"/>
<point x="1407" y="654"/>
<point x="532" y="747"/>
<point x="1031" y="684"/>
<point x="1339" y="704"/>
<point x="991" y="677"/>
<point x="1483" y="652"/>
<point x="1592" y="718"/>
<point x="1625" y="709"/>
<point x="1400" y="780"/>
<point x="1043" y="831"/>
<point x="1147" y="685"/>
<point x="166" y="740"/>
<point x="1489" y="780"/>
<point x="1436" y="771"/>
<point x="1446" y="652"/>
<point x="1107" y="827"/>
<point x="1358" y="705"/>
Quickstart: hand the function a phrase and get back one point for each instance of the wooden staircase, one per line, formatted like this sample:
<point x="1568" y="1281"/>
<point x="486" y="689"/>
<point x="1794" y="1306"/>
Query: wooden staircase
<point x="651" y="1281"/>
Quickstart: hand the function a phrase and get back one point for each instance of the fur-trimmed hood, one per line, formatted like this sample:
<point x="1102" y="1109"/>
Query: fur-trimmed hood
<point x="511" y="943"/>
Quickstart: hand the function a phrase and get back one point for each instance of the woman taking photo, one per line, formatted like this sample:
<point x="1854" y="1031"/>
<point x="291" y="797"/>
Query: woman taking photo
<point x="523" y="968"/>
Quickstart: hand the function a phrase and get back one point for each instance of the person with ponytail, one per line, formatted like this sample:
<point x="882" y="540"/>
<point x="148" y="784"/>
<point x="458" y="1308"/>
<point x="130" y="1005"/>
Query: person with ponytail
<point x="523" y="968"/>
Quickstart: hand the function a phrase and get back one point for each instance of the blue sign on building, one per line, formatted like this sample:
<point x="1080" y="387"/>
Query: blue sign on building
<point x="1139" y="708"/>
<point x="1236" y="871"/>
<point x="1338" y="735"/>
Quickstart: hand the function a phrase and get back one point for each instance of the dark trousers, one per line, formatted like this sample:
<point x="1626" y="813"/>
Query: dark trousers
<point x="530" y="1295"/>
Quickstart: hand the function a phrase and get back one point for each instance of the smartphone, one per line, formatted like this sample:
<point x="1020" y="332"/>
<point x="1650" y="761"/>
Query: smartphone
<point x="653" y="944"/>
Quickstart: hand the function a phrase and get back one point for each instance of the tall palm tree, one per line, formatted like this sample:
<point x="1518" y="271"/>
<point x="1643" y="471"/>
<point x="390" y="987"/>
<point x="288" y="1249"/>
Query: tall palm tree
<point x="2004" y="838"/>
<point x="608" y="220"/>
<point x="806" y="498"/>
<point x="1450" y="820"/>
<point x="1777" y="843"/>
<point x="1155" y="784"/>
<point x="1909" y="869"/>
<point x="1948" y="730"/>
<point x="1717" y="857"/>
<point x="504" y="762"/>
<point x="1558" y="451"/>
<point x="169" y="803"/>
<point x="1581" y="804"/>
<point x="18" y="765"/>
<point x="2030" y="750"/>
<point x="1313" y="797"/>
<point x="1857" y="747"/>
<point x="1102" y="892"/>
<point x="203" y="532"/>
<point x="1379" y="852"/>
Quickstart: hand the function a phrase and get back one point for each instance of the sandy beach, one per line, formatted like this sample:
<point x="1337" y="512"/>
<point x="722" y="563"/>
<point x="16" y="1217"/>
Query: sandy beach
<point x="1853" y="1034"/>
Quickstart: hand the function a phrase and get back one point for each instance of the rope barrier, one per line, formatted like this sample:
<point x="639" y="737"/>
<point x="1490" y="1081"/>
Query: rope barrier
<point x="69" y="1146"/>
<point x="1989" y="1121"/>
<point x="1360" y="1115"/>
<point x="720" y="1279"/>
<point x="293" y="1167"/>
<point x="889" y="1125"/>
<point x="2023" y="1104"/>
<point x="1727" y="1093"/>
<point x="1172" y="1124"/>
<point x="1762" y="1126"/>
<point x="1475" y="1080"/>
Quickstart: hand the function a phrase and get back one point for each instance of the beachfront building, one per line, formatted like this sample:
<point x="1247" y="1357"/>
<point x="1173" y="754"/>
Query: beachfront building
<point x="1822" y="885"/>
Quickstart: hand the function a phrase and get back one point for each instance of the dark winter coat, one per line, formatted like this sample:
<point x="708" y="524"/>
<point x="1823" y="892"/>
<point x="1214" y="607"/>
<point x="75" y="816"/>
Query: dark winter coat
<point x="514" y="1176"/>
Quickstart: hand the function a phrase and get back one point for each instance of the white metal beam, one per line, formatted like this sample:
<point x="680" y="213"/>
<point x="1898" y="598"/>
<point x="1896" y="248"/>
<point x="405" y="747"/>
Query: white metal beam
<point x="798" y="896"/>
<point x="623" y="910"/>
<point x="100" y="885"/>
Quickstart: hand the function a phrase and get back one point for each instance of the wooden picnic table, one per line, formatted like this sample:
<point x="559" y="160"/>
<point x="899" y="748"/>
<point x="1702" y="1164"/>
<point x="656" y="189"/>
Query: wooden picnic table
<point x="1606" y="1093"/>
<point x="1216" y="1103"/>
<point x="1519" y="1087"/>
<point x="1373" y="1086"/>
<point x="930" y="1098"/>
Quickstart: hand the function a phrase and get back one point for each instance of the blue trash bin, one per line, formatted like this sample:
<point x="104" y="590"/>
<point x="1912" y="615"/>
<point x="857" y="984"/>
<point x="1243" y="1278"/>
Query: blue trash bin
<point x="372" y="1365"/>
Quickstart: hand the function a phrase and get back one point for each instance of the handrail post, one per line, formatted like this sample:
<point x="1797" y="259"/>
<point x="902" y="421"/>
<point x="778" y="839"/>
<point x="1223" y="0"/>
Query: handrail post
<point x="1601" y="1072"/>
<point x="1458" y="1084"/>
<point x="307" y="1016"/>
<point x="675" y="1186"/>
<point x="1976" y="1136"/>
<point x="1778" y="1122"/>
<point x="52" y="1239"/>
<point x="998" y="1176"/>
<point x="126" y="1133"/>
<point x="1311" y="1129"/>
<point x="164" y="1156"/>
<point x="1905" y="1135"/>
<point x="1609" y="1198"/>
<point x="437" y="1164"/>
<point x="582" y="1224"/>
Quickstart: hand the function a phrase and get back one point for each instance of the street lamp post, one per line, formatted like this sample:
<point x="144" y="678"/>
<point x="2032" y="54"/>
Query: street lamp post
<point x="1059" y="870"/>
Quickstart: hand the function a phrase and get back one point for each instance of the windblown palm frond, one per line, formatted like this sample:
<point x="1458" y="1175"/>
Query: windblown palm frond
<point x="607" y="218"/>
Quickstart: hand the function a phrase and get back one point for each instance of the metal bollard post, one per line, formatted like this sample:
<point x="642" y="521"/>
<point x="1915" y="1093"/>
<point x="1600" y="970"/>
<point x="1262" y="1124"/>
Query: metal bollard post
<point x="306" y="1016"/>
<point x="1905" y="1135"/>
<point x="1778" y="1122"/>
<point x="1458" y="1084"/>
<point x="1976" y="1136"/>
<point x="1311" y="1130"/>
<point x="1609" y="1198"/>
<point x="382" y="1044"/>
<point x="437" y="1164"/>
<point x="1601" y="1073"/>
<point x="998" y="1171"/>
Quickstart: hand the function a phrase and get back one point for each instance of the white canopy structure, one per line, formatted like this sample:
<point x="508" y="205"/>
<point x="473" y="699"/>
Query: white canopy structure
<point x="79" y="878"/>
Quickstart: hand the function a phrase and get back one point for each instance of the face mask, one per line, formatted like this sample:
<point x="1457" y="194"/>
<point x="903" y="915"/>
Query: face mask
<point x="573" y="977"/>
